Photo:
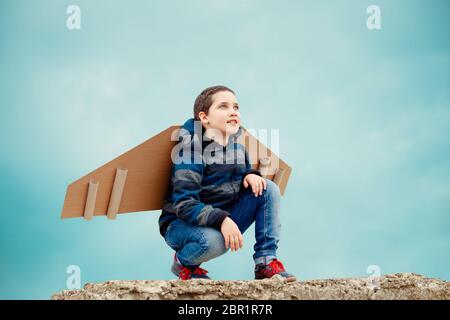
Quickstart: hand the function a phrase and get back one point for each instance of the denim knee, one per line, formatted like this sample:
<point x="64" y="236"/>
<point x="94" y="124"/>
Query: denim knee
<point x="213" y="243"/>
<point x="272" y="190"/>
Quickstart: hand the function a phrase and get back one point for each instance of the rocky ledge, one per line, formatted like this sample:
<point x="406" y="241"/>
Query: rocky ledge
<point x="397" y="286"/>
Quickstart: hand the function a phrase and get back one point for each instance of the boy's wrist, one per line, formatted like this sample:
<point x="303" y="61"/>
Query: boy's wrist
<point x="221" y="216"/>
<point x="246" y="173"/>
<point x="252" y="171"/>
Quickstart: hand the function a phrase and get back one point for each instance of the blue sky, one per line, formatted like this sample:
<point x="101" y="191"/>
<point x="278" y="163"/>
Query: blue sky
<point x="364" y="119"/>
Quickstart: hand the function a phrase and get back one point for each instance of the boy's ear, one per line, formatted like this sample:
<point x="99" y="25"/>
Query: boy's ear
<point x="203" y="117"/>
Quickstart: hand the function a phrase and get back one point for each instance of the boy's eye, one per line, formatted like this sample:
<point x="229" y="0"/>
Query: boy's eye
<point x="224" y="106"/>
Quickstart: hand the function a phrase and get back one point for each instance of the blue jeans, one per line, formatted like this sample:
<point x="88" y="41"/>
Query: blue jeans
<point x="196" y="244"/>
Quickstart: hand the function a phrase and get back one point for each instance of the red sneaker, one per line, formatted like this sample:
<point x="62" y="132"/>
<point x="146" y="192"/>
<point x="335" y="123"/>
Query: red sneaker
<point x="266" y="271"/>
<point x="186" y="273"/>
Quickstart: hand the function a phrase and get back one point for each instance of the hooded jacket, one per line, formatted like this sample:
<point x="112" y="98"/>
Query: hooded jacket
<point x="206" y="178"/>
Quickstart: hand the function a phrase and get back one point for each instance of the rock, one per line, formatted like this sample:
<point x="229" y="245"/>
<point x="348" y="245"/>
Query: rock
<point x="397" y="286"/>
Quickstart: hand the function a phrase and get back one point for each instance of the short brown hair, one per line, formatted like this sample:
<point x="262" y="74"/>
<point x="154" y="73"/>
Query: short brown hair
<point x="204" y="100"/>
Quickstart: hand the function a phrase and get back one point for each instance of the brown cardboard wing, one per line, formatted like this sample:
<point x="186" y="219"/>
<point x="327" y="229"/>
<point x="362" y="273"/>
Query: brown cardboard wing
<point x="138" y="179"/>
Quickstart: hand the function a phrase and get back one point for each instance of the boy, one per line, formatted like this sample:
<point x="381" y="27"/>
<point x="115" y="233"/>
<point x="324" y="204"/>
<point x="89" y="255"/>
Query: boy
<point x="214" y="195"/>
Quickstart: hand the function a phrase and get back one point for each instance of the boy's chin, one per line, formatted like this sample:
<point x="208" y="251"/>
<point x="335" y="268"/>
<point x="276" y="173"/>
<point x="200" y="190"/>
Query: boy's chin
<point x="232" y="130"/>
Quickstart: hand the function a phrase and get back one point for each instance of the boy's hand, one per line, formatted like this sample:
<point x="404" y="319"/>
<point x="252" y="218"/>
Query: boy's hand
<point x="232" y="235"/>
<point x="256" y="182"/>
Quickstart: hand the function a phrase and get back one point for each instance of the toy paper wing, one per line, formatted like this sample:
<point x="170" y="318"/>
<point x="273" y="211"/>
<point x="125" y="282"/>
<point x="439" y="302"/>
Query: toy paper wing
<point x="138" y="179"/>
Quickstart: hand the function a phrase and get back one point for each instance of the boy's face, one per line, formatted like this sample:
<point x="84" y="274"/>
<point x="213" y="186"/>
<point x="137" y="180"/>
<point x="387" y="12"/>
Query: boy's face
<point x="223" y="115"/>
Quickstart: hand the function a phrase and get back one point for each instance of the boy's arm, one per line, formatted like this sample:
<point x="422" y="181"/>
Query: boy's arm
<point x="186" y="181"/>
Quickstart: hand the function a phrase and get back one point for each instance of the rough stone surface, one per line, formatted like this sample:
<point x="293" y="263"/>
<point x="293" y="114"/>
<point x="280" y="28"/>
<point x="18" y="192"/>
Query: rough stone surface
<point x="387" y="287"/>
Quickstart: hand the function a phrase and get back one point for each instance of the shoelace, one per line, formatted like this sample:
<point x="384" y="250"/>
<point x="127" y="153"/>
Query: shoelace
<point x="186" y="273"/>
<point x="275" y="266"/>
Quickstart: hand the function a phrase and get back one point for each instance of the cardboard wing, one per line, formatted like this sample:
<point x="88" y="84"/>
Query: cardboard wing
<point x="138" y="179"/>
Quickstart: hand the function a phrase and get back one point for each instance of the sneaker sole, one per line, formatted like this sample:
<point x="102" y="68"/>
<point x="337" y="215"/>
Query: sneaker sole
<point x="209" y="279"/>
<point x="291" y="279"/>
<point x="288" y="279"/>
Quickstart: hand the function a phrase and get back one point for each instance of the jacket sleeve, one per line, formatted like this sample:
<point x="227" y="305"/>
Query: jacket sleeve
<point x="248" y="169"/>
<point x="187" y="178"/>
